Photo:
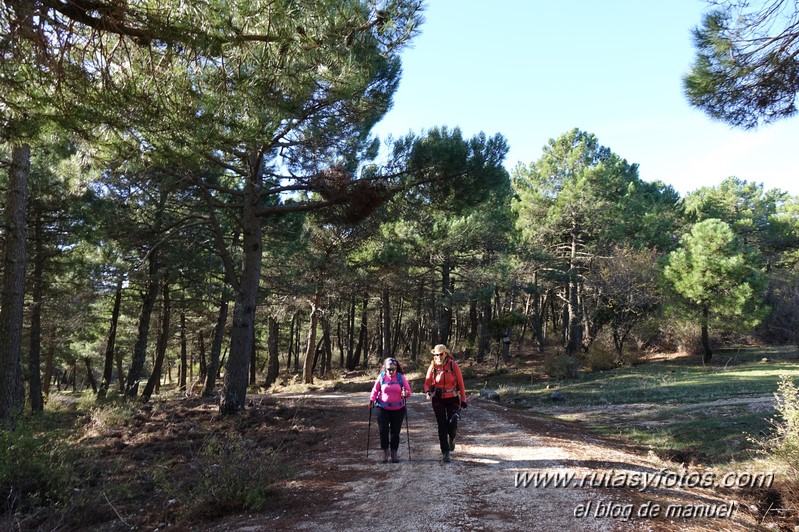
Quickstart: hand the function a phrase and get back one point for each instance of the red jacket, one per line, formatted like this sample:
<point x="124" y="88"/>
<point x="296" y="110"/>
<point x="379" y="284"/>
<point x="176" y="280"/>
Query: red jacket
<point x="446" y="377"/>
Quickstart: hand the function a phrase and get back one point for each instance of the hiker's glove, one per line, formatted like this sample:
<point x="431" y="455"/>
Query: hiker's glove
<point x="429" y="395"/>
<point x="371" y="404"/>
<point x="463" y="404"/>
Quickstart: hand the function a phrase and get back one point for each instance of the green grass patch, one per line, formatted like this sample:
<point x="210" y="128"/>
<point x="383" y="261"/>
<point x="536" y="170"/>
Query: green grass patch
<point x="661" y="382"/>
<point x="706" y="413"/>
<point x="702" y="436"/>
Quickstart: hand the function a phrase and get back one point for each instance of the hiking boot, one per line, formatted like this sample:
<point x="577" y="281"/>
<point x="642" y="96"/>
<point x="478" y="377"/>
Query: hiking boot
<point x="452" y="443"/>
<point x="446" y="458"/>
<point x="394" y="457"/>
<point x="385" y="457"/>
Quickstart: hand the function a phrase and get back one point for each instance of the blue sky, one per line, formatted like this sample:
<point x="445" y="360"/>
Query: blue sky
<point x="534" y="69"/>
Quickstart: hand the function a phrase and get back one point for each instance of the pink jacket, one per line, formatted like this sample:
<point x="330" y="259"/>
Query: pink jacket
<point x="387" y="391"/>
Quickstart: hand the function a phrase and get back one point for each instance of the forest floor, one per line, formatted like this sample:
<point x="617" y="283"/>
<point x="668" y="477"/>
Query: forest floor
<point x="513" y="469"/>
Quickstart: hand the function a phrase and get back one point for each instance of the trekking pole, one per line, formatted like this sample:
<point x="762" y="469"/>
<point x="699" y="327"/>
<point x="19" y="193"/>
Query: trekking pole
<point x="369" y="434"/>
<point x="407" y="428"/>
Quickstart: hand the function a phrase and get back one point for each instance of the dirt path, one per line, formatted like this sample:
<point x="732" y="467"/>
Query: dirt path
<point x="498" y="451"/>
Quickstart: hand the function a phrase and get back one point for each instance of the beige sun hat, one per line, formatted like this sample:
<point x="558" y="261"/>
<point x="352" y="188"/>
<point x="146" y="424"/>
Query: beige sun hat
<point x="440" y="348"/>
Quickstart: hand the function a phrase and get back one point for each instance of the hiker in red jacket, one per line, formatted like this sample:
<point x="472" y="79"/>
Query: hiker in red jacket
<point x="388" y="396"/>
<point x="446" y="392"/>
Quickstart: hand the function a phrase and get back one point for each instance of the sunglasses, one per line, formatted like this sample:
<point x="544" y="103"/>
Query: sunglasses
<point x="392" y="368"/>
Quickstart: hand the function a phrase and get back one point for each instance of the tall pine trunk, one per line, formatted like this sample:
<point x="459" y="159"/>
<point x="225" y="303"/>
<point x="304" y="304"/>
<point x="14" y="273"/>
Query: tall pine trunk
<point x="362" y="336"/>
<point x="149" y="298"/>
<point x="212" y="368"/>
<point x="184" y="363"/>
<point x="327" y="346"/>
<point x="201" y="346"/>
<point x="574" y="324"/>
<point x="108" y="368"/>
<point x="253" y="357"/>
<point x="485" y="334"/>
<point x="273" y="348"/>
<point x="145" y="314"/>
<point x="297" y="343"/>
<point x="474" y="324"/>
<point x="37" y="289"/>
<point x="339" y="344"/>
<point x="310" y="349"/>
<point x="48" y="365"/>
<point x="153" y="383"/>
<point x="292" y="328"/>
<point x="234" y="387"/>
<point x="12" y="299"/>
<point x="90" y="374"/>
<point x="349" y="362"/>
<point x="416" y="331"/>
<point x="120" y="370"/>
<point x="445" y="318"/>
<point x="397" y="328"/>
<point x="536" y="319"/>
<point x="708" y="349"/>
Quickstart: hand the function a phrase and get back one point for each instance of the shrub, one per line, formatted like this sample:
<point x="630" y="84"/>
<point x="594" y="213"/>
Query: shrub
<point x="647" y="336"/>
<point x="229" y="474"/>
<point x="562" y="366"/>
<point x="683" y="336"/>
<point x="783" y="445"/>
<point x="86" y="400"/>
<point x="112" y="414"/>
<point x="36" y="468"/>
<point x="599" y="359"/>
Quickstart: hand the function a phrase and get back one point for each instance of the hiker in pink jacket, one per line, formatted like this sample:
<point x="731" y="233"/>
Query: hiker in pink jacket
<point x="388" y="398"/>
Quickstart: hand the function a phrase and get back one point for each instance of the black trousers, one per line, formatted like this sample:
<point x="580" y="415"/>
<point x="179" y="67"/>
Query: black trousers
<point x="445" y="410"/>
<point x="389" y="422"/>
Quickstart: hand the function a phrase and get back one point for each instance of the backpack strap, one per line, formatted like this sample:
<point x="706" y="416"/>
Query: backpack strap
<point x="450" y="370"/>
